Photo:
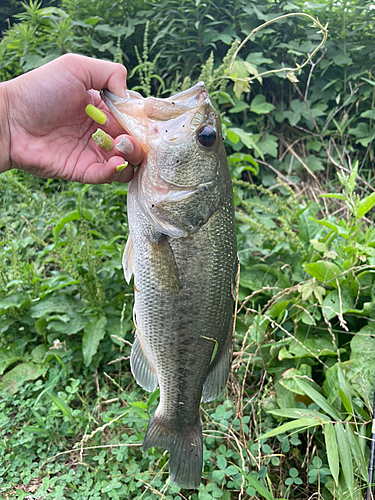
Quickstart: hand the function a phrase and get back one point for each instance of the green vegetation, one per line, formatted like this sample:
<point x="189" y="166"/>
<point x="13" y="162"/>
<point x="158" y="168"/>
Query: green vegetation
<point x="294" y="421"/>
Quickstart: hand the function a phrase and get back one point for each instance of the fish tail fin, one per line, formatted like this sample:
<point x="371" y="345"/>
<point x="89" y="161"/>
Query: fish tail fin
<point x="186" y="451"/>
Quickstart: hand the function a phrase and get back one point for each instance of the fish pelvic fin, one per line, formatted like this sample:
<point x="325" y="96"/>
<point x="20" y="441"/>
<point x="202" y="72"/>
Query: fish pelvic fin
<point x="163" y="267"/>
<point x="128" y="259"/>
<point x="185" y="447"/>
<point x="219" y="371"/>
<point x="142" y="369"/>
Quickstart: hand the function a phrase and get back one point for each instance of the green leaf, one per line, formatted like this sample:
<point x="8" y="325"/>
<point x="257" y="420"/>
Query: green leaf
<point x="240" y="106"/>
<point x="332" y="226"/>
<point x="319" y="246"/>
<point x="332" y="450"/>
<point x="9" y="355"/>
<point x="231" y="470"/>
<point x="335" y="196"/>
<point x="216" y="346"/>
<point x="371" y="82"/>
<point x="138" y="404"/>
<point x="318" y="399"/>
<point x="324" y="271"/>
<point x="353" y="177"/>
<point x="259" y="105"/>
<point x="94" y="332"/>
<point x="92" y="20"/>
<point x="246" y="138"/>
<point x="289" y="377"/>
<point x="345" y="457"/>
<point x="75" y="215"/>
<point x="337" y="304"/>
<point x="15" y="300"/>
<point x="18" y="375"/>
<point x="71" y="327"/>
<point x="257" y="485"/>
<point x="344" y="391"/>
<point x="153" y="397"/>
<point x="268" y="144"/>
<point x="314" y="345"/>
<point x="370" y="113"/>
<point x="298" y="413"/>
<point x="365" y="205"/>
<point x="61" y="404"/>
<point x="47" y="11"/>
<point x="305" y="422"/>
<point x="363" y="354"/>
<point x="59" y="303"/>
<point x="359" y="458"/>
<point x="308" y="229"/>
<point x="232" y="136"/>
<point x="221" y="462"/>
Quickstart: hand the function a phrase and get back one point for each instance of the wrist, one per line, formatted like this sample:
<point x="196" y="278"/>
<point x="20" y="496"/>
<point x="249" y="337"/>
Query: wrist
<point x="5" y="160"/>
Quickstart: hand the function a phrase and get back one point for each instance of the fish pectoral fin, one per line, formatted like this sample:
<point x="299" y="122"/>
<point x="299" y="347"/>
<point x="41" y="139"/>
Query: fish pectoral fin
<point x="218" y="373"/>
<point x="142" y="370"/>
<point x="163" y="266"/>
<point x="128" y="260"/>
<point x="185" y="447"/>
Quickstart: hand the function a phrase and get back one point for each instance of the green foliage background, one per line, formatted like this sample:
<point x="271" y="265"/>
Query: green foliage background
<point x="295" y="418"/>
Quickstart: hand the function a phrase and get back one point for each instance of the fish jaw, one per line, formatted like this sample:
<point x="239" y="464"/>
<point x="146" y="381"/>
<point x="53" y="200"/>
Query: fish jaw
<point x="151" y="119"/>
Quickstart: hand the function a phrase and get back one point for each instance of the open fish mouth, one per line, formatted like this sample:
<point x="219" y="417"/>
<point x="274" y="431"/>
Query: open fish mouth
<point x="172" y="119"/>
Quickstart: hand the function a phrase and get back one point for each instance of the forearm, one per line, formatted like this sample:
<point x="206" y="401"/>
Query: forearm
<point x="5" y="161"/>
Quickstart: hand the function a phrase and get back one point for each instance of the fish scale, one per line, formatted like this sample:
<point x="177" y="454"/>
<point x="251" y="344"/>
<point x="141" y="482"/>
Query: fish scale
<point x="182" y="252"/>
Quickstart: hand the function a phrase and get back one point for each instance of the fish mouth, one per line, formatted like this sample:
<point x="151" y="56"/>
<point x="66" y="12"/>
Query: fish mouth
<point x="172" y="119"/>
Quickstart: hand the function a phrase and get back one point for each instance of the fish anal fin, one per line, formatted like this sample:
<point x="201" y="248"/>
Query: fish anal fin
<point x="185" y="447"/>
<point x="218" y="373"/>
<point x="128" y="259"/>
<point x="142" y="370"/>
<point x="163" y="266"/>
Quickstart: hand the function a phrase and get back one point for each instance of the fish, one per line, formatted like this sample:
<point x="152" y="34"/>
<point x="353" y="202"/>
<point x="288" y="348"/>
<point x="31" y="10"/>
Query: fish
<point x="183" y="255"/>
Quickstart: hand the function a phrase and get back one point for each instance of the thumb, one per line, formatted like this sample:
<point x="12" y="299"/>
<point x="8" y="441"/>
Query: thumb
<point x="97" y="74"/>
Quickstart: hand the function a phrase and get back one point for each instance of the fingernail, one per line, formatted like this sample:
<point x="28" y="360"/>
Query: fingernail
<point x="120" y="168"/>
<point x="95" y="114"/>
<point x="125" y="146"/>
<point x="103" y="140"/>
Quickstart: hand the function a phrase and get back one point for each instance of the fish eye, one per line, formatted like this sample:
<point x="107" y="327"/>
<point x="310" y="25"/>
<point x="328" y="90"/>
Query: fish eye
<point x="206" y="136"/>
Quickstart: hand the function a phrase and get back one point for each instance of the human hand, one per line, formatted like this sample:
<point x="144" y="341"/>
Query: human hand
<point x="48" y="131"/>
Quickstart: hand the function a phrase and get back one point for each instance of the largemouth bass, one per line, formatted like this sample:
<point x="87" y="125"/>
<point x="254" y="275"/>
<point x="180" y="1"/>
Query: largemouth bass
<point x="182" y="252"/>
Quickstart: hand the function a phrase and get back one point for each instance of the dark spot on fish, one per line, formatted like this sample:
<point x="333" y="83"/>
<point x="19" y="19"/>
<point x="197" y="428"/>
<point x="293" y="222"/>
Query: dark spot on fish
<point x="183" y="125"/>
<point x="166" y="130"/>
<point x="152" y="206"/>
<point x="173" y="102"/>
<point x="178" y="161"/>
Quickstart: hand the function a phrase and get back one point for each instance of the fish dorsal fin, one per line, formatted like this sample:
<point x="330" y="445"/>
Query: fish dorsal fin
<point x="128" y="260"/>
<point x="218" y="374"/>
<point x="142" y="369"/>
